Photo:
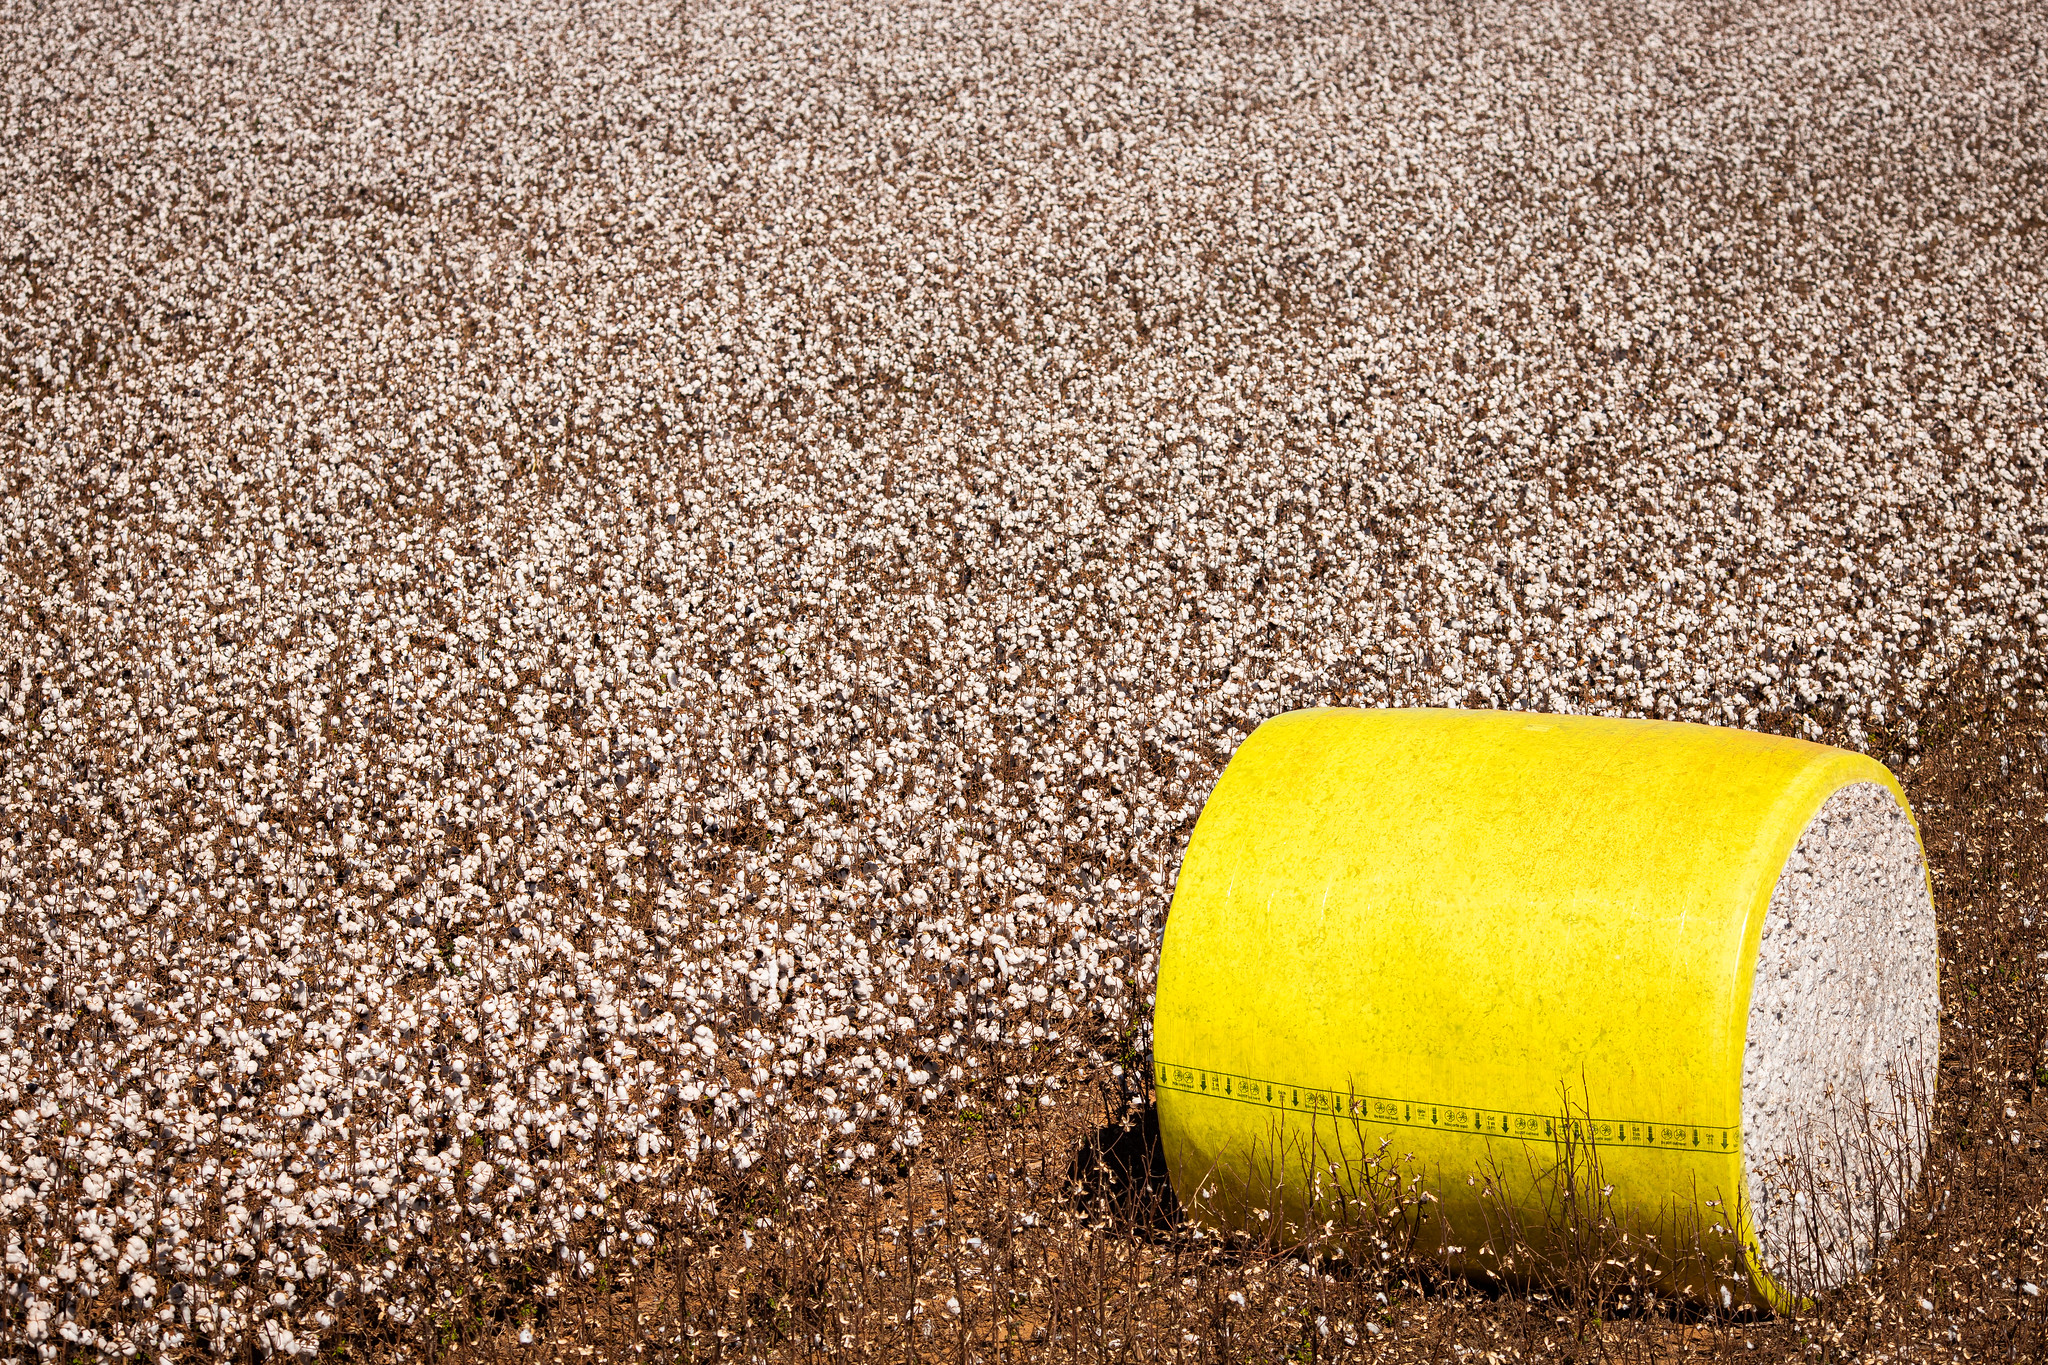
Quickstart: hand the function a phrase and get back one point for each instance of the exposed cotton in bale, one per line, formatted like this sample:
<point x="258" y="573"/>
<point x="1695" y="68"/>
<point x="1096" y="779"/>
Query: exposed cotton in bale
<point x="1680" y="974"/>
<point x="1842" y="1042"/>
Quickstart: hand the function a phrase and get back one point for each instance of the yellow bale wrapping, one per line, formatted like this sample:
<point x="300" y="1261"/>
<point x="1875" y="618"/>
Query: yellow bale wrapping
<point x="1407" y="945"/>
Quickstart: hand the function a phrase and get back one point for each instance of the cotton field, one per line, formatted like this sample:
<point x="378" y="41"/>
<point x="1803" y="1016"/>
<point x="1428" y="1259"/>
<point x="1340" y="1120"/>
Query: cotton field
<point x="595" y="595"/>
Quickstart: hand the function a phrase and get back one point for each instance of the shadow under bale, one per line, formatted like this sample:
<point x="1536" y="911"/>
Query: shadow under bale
<point x="1119" y="1172"/>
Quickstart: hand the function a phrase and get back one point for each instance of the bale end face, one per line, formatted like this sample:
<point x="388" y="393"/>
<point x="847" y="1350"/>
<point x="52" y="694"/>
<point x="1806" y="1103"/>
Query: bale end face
<point x="1842" y="1042"/>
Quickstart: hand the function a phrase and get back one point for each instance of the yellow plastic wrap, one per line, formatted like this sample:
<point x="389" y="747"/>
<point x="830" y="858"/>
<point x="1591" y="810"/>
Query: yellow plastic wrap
<point x="1411" y="943"/>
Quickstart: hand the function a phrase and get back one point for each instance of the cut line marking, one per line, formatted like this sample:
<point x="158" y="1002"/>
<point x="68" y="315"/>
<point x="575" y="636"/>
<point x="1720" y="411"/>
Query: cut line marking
<point x="1481" y="1121"/>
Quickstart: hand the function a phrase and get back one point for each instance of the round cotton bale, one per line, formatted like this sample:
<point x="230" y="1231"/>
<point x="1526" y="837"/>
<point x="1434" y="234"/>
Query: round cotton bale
<point x="1512" y="985"/>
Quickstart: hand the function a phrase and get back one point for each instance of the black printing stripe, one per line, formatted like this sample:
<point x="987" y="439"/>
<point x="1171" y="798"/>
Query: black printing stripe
<point x="1382" y="1110"/>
